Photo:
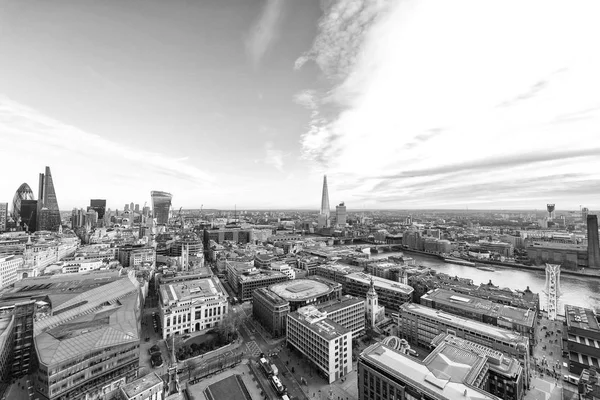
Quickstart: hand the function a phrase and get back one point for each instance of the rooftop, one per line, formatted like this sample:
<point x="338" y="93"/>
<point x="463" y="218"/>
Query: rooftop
<point x="442" y="377"/>
<point x="582" y="318"/>
<point x="481" y="306"/>
<point x="142" y="384"/>
<point x="336" y="304"/>
<point x="189" y="290"/>
<point x="273" y="298"/>
<point x="300" y="289"/>
<point x="380" y="283"/>
<point x="318" y="322"/>
<point x="262" y="274"/>
<point x="485" y="330"/>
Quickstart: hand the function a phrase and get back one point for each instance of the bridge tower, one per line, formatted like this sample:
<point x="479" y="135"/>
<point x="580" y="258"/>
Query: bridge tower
<point x="552" y="289"/>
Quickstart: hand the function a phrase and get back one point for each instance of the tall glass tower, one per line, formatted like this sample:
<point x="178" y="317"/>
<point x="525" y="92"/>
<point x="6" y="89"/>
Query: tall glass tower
<point x="325" y="209"/>
<point x="161" y="204"/>
<point x="24" y="192"/>
<point x="48" y="212"/>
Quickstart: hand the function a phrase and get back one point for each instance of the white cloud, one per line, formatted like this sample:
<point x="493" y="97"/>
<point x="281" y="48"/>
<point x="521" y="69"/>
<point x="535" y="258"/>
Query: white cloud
<point x="265" y="29"/>
<point x="433" y="84"/>
<point x="273" y="156"/>
<point x="94" y="165"/>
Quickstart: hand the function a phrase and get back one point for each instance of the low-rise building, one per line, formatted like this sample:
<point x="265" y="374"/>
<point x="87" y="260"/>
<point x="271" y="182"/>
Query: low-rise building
<point x="448" y="373"/>
<point x="8" y="269"/>
<point x="582" y="339"/>
<point x="270" y="311"/>
<point x="420" y="325"/>
<point x="486" y="311"/>
<point x="148" y="387"/>
<point x="191" y="306"/>
<point x="325" y="343"/>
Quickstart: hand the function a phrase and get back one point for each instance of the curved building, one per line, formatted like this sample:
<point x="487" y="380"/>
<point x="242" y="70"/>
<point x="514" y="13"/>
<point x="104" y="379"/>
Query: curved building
<point x="302" y="292"/>
<point x="161" y="204"/>
<point x="24" y="192"/>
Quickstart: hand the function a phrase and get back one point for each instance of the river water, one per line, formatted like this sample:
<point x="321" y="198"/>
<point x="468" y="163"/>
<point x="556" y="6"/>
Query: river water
<point x="578" y="291"/>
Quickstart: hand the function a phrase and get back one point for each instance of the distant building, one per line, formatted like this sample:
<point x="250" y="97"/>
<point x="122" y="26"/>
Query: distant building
<point x="48" y="213"/>
<point x="582" y="339"/>
<point x="191" y="306"/>
<point x="135" y="256"/>
<point x="235" y="235"/>
<point x="324" y="216"/>
<point x="565" y="254"/>
<point x="161" y="206"/>
<point x="24" y="192"/>
<point x="3" y="216"/>
<point x="341" y="215"/>
<point x="325" y="343"/>
<point x="593" y="242"/>
<point x="99" y="205"/>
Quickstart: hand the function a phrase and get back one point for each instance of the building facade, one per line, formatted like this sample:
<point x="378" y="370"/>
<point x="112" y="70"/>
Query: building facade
<point x="582" y="339"/>
<point x="8" y="269"/>
<point x="3" y="216"/>
<point x="593" y="242"/>
<point x="270" y="311"/>
<point x="325" y="343"/>
<point x="245" y="279"/>
<point x="48" y="213"/>
<point x="191" y="306"/>
<point x="161" y="206"/>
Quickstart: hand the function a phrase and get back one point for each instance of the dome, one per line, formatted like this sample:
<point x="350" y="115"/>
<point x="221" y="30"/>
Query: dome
<point x="24" y="192"/>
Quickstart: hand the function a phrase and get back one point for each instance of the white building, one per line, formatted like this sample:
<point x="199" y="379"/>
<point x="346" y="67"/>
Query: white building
<point x="284" y="269"/>
<point x="327" y="344"/>
<point x="191" y="306"/>
<point x="8" y="269"/>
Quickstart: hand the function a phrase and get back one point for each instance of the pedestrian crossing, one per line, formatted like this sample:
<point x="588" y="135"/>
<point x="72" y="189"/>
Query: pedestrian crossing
<point x="253" y="348"/>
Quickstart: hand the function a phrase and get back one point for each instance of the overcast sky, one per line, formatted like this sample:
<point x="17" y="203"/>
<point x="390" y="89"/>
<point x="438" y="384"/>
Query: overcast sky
<point x="403" y="104"/>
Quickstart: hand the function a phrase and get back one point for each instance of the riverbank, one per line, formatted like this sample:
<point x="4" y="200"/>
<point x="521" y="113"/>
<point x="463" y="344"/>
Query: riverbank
<point x="589" y="273"/>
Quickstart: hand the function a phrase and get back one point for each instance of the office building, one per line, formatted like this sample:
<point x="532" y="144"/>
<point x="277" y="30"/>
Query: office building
<point x="589" y="385"/>
<point x="245" y="279"/>
<point x="566" y="254"/>
<point x="48" y="213"/>
<point x="270" y="311"/>
<point x="234" y="235"/>
<point x="324" y="215"/>
<point x="420" y="325"/>
<point x="8" y="269"/>
<point x="340" y="215"/>
<point x="325" y="343"/>
<point x="16" y="337"/>
<point x="161" y="205"/>
<point x="148" y="387"/>
<point x="302" y="292"/>
<point x="98" y="205"/>
<point x="348" y="311"/>
<point x="390" y="294"/>
<point x="593" y="242"/>
<point x="582" y="340"/>
<point x="6" y="346"/>
<point x="3" y="216"/>
<point x="448" y="373"/>
<point x="136" y="256"/>
<point x="191" y="306"/>
<point x="24" y="192"/>
<point x="29" y="215"/>
<point x="486" y="311"/>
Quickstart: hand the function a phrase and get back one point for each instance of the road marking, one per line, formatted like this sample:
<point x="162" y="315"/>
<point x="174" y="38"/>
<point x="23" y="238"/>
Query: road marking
<point x="253" y="348"/>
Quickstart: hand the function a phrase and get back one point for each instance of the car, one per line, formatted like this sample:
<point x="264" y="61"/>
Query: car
<point x="153" y="350"/>
<point x="147" y="338"/>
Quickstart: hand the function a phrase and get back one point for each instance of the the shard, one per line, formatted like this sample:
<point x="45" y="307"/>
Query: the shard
<point x="325" y="209"/>
<point x="48" y="215"/>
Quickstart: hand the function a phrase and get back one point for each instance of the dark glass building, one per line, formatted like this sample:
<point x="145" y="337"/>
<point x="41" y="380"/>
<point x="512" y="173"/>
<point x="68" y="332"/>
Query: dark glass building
<point x="24" y="192"/>
<point x="161" y="204"/>
<point x="29" y="214"/>
<point x="593" y="242"/>
<point x="48" y="215"/>
<point x="98" y="205"/>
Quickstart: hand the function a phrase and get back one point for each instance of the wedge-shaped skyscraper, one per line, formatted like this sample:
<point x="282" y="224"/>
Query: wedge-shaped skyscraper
<point x="48" y="212"/>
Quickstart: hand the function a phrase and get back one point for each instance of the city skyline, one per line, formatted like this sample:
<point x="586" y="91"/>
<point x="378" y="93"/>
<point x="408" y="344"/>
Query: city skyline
<point x="403" y="106"/>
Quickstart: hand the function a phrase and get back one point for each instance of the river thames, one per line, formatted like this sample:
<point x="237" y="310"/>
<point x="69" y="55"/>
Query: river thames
<point x="578" y="291"/>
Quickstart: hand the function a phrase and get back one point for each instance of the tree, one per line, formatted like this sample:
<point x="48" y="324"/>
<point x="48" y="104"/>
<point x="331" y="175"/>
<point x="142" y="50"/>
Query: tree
<point x="227" y="329"/>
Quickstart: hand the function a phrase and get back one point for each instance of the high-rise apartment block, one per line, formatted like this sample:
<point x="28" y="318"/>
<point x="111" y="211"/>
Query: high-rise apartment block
<point x="48" y="213"/>
<point x="8" y="269"/>
<point x="161" y="205"/>
<point x="582" y="341"/>
<point x="98" y="205"/>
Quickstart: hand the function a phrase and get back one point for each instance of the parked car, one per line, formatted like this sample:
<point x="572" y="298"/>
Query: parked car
<point x="156" y="360"/>
<point x="154" y="349"/>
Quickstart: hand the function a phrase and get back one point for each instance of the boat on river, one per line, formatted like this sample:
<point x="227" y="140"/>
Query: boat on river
<point x="484" y="267"/>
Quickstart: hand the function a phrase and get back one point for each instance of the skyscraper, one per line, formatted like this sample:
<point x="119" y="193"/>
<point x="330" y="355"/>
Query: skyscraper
<point x="325" y="209"/>
<point x="161" y="204"/>
<point x="593" y="242"/>
<point x="29" y="214"/>
<point x="340" y="215"/>
<point x="3" y="216"/>
<point x="98" y="205"/>
<point x="48" y="211"/>
<point x="24" y="192"/>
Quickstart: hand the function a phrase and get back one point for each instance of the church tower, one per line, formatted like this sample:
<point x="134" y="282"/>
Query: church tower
<point x="372" y="306"/>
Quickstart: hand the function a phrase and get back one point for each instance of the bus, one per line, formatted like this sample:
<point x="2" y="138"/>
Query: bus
<point x="277" y="385"/>
<point x="266" y="367"/>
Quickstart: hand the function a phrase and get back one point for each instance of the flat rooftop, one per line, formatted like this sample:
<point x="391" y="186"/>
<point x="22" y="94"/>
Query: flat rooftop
<point x="273" y="298"/>
<point x="484" y="330"/>
<point x="481" y="306"/>
<point x="337" y="304"/>
<point x="300" y="289"/>
<point x="380" y="283"/>
<point x="182" y="291"/>
<point x="582" y="318"/>
<point x="142" y="384"/>
<point x="324" y="327"/>
<point x="443" y="377"/>
<point x="262" y="275"/>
